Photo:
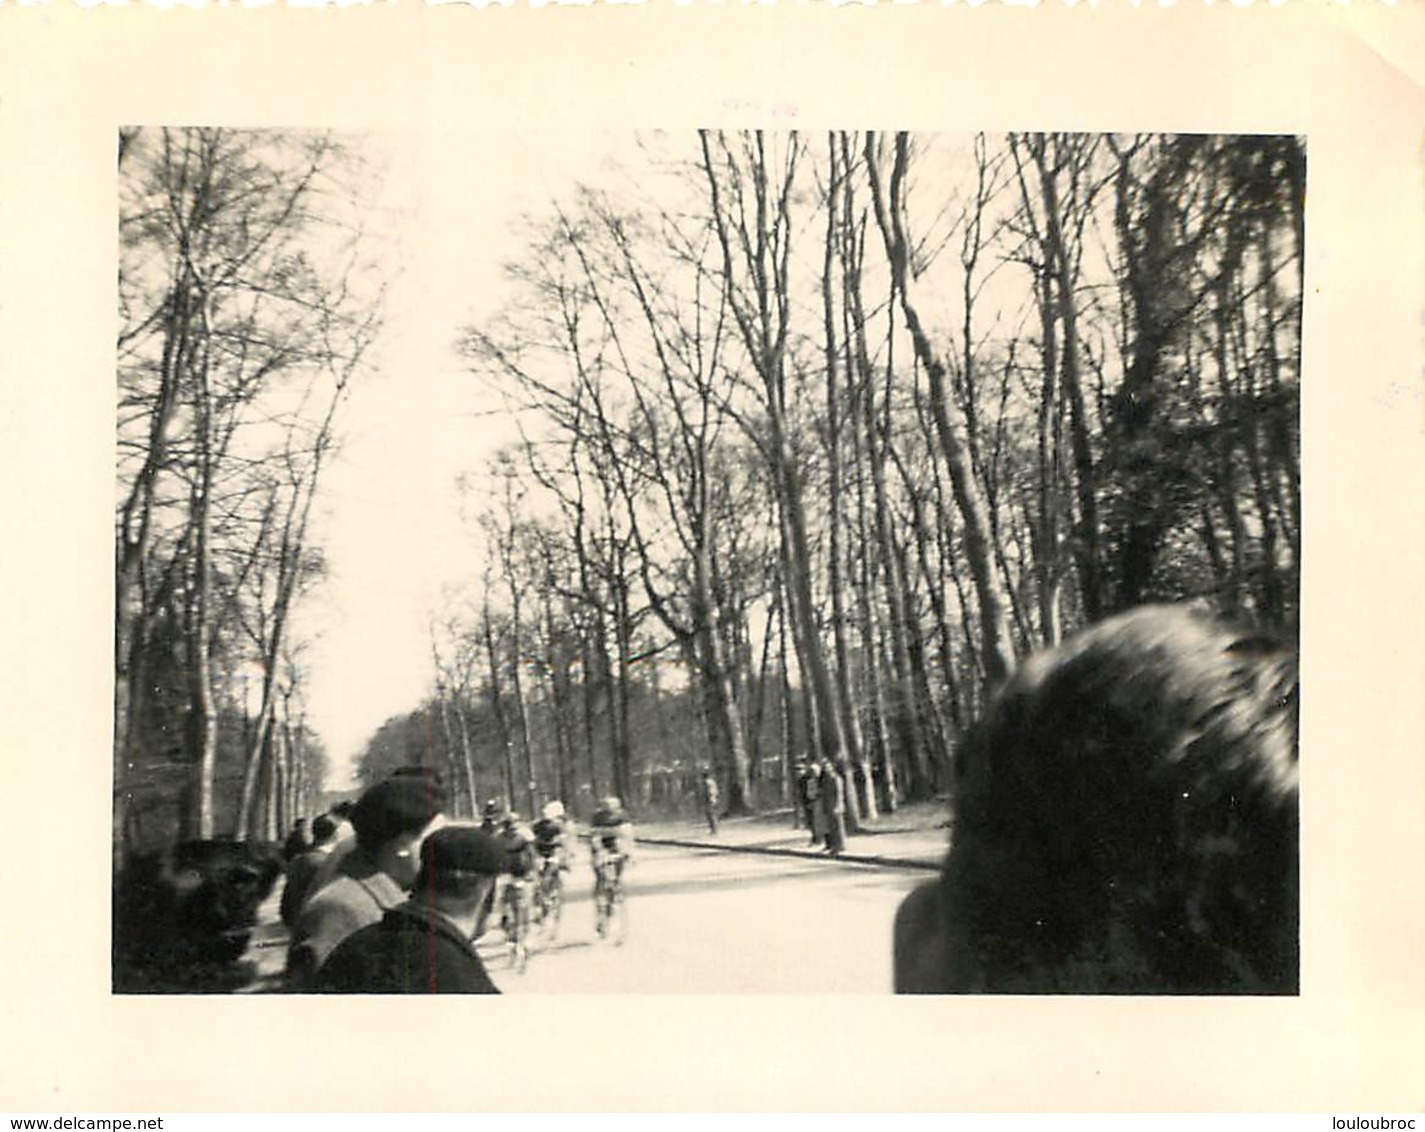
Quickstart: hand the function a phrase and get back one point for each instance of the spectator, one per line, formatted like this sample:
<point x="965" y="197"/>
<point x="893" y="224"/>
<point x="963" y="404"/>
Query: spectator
<point x="424" y="945"/>
<point x="1126" y="823"/>
<point x="709" y="794"/>
<point x="390" y="820"/>
<point x="302" y="870"/>
<point x="298" y="842"/>
<point x="833" y="804"/>
<point x="182" y="916"/>
<point x="816" y="812"/>
<point x="341" y="814"/>
<point x="343" y="842"/>
<point x="803" y="799"/>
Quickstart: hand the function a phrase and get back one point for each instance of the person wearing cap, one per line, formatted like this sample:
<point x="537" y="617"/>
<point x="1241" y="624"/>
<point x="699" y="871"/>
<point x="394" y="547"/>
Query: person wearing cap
<point x="517" y="842"/>
<point x="424" y="946"/>
<point x="552" y="835"/>
<point x="610" y="836"/>
<point x="390" y="820"/>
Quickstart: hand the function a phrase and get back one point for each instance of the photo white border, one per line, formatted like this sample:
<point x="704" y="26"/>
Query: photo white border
<point x="1346" y="76"/>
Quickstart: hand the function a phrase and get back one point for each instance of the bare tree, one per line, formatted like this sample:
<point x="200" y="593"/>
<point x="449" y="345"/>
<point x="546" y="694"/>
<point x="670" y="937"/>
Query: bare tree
<point x="996" y="646"/>
<point x="238" y="255"/>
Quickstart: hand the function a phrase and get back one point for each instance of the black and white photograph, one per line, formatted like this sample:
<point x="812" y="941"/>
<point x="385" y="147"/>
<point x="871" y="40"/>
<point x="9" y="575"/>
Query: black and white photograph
<point x="779" y="545"/>
<point x="773" y="523"/>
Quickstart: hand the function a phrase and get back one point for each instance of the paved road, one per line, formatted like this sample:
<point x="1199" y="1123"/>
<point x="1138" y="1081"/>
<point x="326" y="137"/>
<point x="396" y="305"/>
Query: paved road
<point x="707" y="921"/>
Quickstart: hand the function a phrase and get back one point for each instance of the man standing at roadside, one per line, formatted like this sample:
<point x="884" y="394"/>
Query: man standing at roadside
<point x="811" y="798"/>
<point x="710" y="800"/>
<point x="833" y="802"/>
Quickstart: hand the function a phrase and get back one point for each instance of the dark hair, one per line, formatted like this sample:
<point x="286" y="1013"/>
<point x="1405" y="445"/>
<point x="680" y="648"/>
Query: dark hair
<point x="397" y="807"/>
<point x="343" y="810"/>
<point x="323" y="829"/>
<point x="1126" y="817"/>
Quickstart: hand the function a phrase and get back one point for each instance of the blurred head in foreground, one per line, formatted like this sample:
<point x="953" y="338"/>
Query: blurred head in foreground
<point x="1125" y="823"/>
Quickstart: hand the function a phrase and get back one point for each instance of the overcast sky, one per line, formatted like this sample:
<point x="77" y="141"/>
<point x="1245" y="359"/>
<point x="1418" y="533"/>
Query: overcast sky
<point x="391" y="523"/>
<point x="448" y="216"/>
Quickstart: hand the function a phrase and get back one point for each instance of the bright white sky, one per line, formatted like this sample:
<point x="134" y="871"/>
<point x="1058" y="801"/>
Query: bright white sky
<point x="391" y="523"/>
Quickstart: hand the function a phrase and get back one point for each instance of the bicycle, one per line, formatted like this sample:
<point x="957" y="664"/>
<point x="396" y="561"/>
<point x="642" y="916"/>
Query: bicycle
<point x="549" y="896"/>
<point x="516" y="922"/>
<point x="610" y="905"/>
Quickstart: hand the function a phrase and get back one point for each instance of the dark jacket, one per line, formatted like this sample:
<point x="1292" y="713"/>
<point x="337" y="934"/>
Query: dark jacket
<point x="301" y="873"/>
<point x="413" y="950"/>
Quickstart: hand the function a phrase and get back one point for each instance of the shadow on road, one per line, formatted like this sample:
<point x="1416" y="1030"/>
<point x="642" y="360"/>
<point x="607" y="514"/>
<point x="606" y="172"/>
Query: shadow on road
<point x="636" y="887"/>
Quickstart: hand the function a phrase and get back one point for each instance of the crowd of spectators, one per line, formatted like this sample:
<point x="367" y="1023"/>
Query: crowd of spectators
<point x="1125" y="821"/>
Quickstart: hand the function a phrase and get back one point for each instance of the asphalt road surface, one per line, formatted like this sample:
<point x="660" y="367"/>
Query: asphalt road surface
<point x="706" y="921"/>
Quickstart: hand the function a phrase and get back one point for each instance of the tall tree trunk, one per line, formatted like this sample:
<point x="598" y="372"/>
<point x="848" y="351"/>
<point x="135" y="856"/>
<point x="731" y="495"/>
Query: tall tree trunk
<point x="784" y="700"/>
<point x="204" y="711"/>
<point x="526" y="751"/>
<point x="875" y="429"/>
<point x="462" y="731"/>
<point x="593" y="679"/>
<point x="759" y="710"/>
<point x="857" y="771"/>
<point x="866" y="608"/>
<point x="447" y="731"/>
<point x="1159" y="299"/>
<point x="497" y="709"/>
<point x="811" y="714"/>
<point x="761" y="313"/>
<point x="623" y="690"/>
<point x="724" y="723"/>
<point x="559" y="687"/>
<point x="994" y="627"/>
<point x="1058" y="302"/>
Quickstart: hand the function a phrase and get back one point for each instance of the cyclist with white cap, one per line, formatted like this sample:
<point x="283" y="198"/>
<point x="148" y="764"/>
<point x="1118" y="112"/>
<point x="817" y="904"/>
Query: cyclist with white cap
<point x="553" y="842"/>
<point x="610" y="848"/>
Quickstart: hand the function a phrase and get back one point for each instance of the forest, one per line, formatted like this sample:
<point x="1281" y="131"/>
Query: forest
<point x="816" y="437"/>
<point x="806" y="441"/>
<point x="246" y="306"/>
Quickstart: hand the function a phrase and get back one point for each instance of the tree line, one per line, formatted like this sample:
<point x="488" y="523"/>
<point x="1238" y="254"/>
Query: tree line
<point x="246" y="310"/>
<point x="812" y="439"/>
<point x="820" y="435"/>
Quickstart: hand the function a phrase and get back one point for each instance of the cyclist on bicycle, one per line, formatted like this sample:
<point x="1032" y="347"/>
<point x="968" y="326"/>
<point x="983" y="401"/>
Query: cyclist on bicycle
<point x="610" y="837"/>
<point x="553" y="842"/>
<point x="520" y="864"/>
<point x="552" y="837"/>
